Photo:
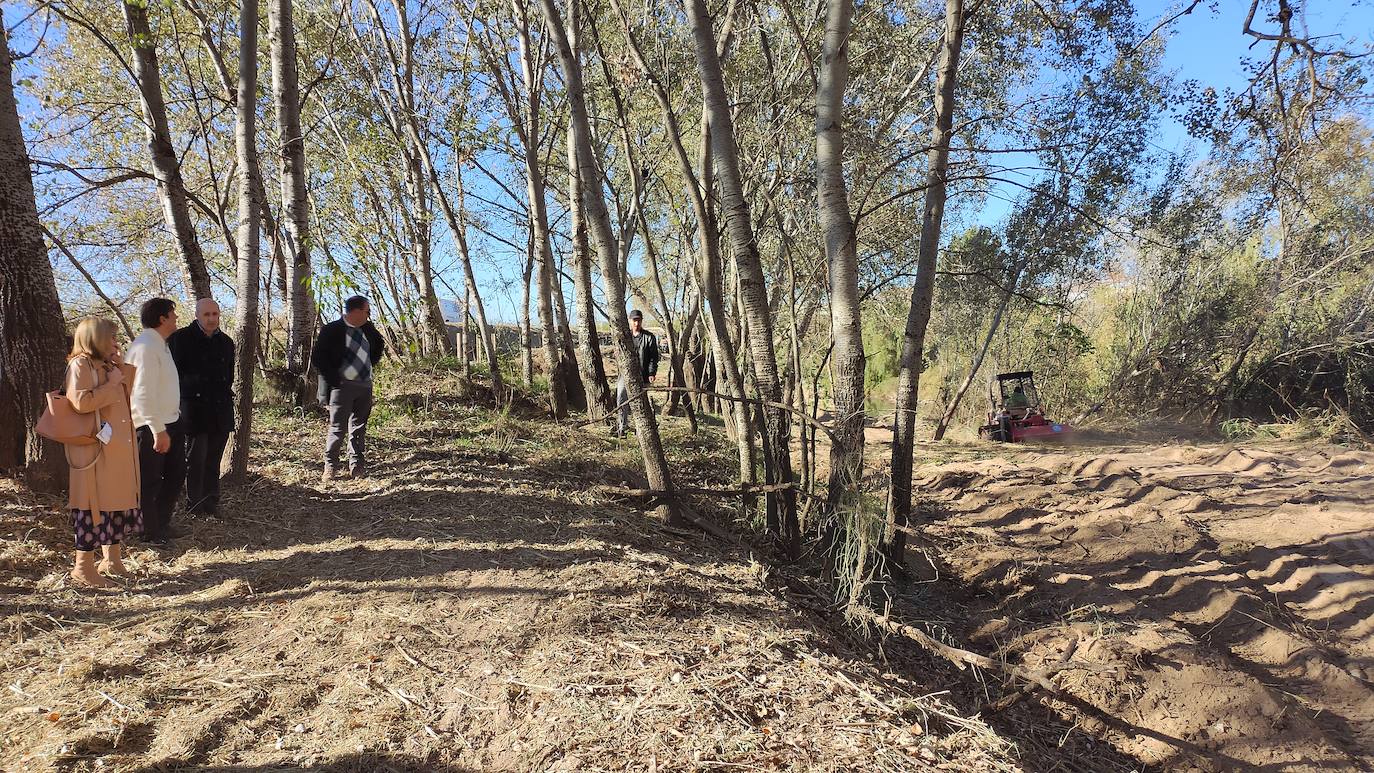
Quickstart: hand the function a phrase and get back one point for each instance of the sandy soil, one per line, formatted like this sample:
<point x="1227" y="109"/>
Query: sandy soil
<point x="471" y="607"/>
<point x="1215" y="603"/>
<point x="478" y="604"/>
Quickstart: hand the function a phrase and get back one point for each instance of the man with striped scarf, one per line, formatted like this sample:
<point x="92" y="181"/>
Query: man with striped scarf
<point x="344" y="356"/>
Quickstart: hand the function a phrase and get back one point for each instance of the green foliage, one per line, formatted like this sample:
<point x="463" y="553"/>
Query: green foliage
<point x="882" y="337"/>
<point x="1240" y="282"/>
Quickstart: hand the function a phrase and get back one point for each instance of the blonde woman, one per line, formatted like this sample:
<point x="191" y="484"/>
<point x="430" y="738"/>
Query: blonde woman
<point x="104" y="476"/>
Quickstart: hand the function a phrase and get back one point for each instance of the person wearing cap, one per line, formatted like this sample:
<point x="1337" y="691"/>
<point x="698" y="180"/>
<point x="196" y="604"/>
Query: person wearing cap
<point x="646" y="352"/>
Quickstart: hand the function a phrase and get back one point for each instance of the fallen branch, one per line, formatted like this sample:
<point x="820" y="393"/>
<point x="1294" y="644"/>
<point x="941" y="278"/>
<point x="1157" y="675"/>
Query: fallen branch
<point x="1013" y="698"/>
<point x="962" y="658"/>
<point x="112" y="701"/>
<point x="738" y="491"/>
<point x="703" y="523"/>
<point x="752" y="401"/>
<point x="708" y="526"/>
<point x="411" y="659"/>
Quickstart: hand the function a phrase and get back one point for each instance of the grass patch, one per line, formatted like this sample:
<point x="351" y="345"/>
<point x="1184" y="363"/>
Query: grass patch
<point x="1308" y="424"/>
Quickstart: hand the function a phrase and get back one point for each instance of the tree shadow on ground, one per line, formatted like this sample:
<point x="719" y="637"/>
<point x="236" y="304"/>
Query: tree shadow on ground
<point x="348" y="763"/>
<point x="433" y="515"/>
<point x="428" y="519"/>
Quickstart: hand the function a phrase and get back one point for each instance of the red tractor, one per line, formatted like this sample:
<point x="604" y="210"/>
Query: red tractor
<point x="1017" y="414"/>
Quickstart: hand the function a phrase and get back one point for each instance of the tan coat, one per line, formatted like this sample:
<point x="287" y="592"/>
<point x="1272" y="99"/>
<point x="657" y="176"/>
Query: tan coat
<point x="113" y="481"/>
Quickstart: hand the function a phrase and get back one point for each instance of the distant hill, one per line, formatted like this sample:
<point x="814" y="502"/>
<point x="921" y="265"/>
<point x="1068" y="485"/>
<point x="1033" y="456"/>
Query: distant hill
<point x="452" y="310"/>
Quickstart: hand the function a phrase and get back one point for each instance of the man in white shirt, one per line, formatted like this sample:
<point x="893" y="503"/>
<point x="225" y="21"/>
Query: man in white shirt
<point x="156" y="409"/>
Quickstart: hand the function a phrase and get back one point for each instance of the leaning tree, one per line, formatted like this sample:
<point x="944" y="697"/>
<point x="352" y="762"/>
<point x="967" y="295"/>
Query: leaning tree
<point x="31" y="329"/>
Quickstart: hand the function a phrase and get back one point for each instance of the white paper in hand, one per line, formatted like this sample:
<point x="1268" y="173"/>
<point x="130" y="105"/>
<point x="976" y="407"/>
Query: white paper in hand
<point x="106" y="432"/>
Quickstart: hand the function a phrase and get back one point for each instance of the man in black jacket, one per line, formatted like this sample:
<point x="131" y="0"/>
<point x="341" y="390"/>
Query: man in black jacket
<point x="344" y="356"/>
<point x="204" y="357"/>
<point x="646" y="351"/>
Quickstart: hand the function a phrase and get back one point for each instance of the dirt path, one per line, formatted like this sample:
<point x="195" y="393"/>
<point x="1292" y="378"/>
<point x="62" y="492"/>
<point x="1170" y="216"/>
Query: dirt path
<point x="471" y="607"/>
<point x="1218" y="602"/>
<point x="475" y="606"/>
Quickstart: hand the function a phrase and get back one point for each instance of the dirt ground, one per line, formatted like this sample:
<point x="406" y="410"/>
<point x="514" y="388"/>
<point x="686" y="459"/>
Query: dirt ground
<point x="472" y="606"/>
<point x="1215" y="603"/>
<point x="479" y="604"/>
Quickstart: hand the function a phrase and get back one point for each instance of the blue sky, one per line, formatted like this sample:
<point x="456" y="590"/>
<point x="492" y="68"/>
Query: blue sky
<point x="1210" y="46"/>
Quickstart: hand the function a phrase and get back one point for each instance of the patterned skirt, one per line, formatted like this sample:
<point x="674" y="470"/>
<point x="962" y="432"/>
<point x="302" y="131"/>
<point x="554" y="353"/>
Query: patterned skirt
<point x="114" y="527"/>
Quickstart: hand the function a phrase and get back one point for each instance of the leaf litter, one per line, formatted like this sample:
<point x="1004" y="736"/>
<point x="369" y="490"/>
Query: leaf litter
<point x="474" y="604"/>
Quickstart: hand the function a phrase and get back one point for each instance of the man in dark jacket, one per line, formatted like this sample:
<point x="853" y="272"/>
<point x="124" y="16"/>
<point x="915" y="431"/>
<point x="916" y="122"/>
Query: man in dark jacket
<point x="646" y="351"/>
<point x="204" y="356"/>
<point x="344" y="356"/>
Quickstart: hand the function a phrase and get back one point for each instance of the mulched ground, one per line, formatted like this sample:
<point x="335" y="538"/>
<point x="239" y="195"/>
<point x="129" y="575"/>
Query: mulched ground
<point x="475" y="604"/>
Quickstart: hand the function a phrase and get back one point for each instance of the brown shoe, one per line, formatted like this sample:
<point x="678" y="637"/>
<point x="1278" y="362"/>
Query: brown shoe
<point x="85" y="574"/>
<point x="327" y="476"/>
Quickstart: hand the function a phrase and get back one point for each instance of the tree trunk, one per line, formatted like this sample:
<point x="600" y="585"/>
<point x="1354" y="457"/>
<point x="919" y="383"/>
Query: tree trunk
<point x="918" y="315"/>
<point x="993" y="326"/>
<point x="698" y="189"/>
<point x="597" y="395"/>
<point x="593" y="367"/>
<point x="295" y="212"/>
<point x="12" y="434"/>
<point x="419" y="181"/>
<point x="539" y="216"/>
<point x="32" y="333"/>
<point x="1225" y="393"/>
<point x="832" y="199"/>
<point x="458" y="222"/>
<point x="782" y="505"/>
<point x="435" y="333"/>
<point x="594" y="203"/>
<point x="797" y="331"/>
<point x="570" y="371"/>
<point x="526" y="342"/>
<point x="723" y="348"/>
<point x="651" y="263"/>
<point x="171" y="188"/>
<point x="245" y="142"/>
<point x="399" y="117"/>
<point x="694" y="363"/>
<point x="464" y="355"/>
<point x="682" y="370"/>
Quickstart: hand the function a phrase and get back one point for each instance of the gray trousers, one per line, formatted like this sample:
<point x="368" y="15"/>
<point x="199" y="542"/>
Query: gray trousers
<point x="350" y="405"/>
<point x="622" y="395"/>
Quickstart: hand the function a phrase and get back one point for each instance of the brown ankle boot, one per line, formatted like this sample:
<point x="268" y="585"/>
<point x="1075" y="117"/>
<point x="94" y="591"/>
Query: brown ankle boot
<point x="85" y="572"/>
<point x="113" y="563"/>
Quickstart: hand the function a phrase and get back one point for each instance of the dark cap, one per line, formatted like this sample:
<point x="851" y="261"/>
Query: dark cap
<point x="637" y="314"/>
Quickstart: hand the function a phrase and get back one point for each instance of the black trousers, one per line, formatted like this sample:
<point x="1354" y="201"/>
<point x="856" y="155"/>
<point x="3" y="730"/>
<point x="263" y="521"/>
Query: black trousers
<point x="203" y="455"/>
<point x="163" y="476"/>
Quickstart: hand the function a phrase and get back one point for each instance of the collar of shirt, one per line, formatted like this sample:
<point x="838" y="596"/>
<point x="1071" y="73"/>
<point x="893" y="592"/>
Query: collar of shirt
<point x="150" y="336"/>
